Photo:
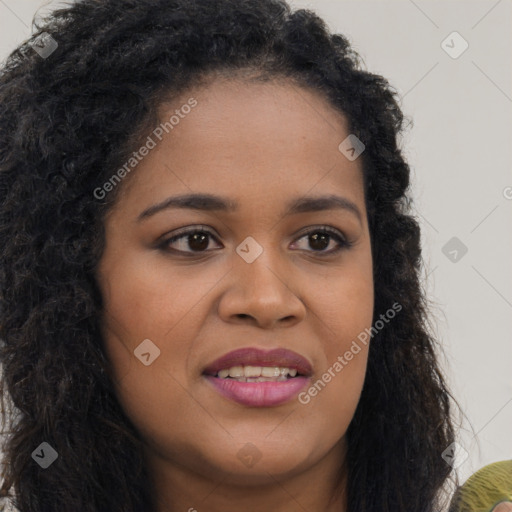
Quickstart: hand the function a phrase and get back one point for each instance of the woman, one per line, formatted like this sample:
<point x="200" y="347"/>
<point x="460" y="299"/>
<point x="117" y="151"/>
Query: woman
<point x="210" y="279"/>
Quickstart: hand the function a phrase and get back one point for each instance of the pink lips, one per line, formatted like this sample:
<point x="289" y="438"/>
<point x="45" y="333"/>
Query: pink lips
<point x="259" y="394"/>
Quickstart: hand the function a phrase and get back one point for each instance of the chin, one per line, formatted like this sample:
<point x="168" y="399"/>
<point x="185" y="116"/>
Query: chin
<point x="263" y="472"/>
<point x="260" y="463"/>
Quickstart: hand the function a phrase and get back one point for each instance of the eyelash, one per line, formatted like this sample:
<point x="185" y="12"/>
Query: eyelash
<point x="333" y="233"/>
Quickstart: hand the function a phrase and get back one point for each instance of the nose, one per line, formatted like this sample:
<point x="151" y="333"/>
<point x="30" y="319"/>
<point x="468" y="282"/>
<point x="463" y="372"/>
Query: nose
<point x="262" y="294"/>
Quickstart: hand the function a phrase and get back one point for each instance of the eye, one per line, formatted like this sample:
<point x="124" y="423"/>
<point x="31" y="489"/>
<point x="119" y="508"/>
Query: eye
<point x="320" y="238"/>
<point x="197" y="240"/>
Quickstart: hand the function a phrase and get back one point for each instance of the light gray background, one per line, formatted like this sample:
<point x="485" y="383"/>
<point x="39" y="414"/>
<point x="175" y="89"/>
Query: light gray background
<point x="459" y="150"/>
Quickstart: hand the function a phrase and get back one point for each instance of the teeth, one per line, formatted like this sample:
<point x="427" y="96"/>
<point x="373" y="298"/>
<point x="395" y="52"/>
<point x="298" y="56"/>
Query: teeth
<point x="271" y="372"/>
<point x="257" y="373"/>
<point x="236" y="371"/>
<point x="252" y="371"/>
<point x="268" y="379"/>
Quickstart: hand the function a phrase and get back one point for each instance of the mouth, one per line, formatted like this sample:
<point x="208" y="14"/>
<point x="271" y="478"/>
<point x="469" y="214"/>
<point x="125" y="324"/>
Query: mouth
<point x="257" y="378"/>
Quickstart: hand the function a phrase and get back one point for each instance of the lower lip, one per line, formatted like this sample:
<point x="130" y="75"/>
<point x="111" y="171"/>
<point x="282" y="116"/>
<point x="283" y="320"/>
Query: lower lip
<point x="258" y="394"/>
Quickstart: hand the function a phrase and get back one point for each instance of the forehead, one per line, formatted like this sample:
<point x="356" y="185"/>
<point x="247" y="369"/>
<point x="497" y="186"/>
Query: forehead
<point x="243" y="139"/>
<point x="257" y="115"/>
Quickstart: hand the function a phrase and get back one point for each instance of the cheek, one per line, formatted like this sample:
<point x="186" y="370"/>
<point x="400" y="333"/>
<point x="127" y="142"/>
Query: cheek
<point x="142" y="296"/>
<point x="343" y="302"/>
<point x="145" y="299"/>
<point x="159" y="404"/>
<point x="330" y="401"/>
<point x="344" y="311"/>
<point x="145" y="302"/>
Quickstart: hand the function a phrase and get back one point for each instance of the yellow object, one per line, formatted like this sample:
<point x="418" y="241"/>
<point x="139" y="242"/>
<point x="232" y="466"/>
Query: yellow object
<point x="485" y="489"/>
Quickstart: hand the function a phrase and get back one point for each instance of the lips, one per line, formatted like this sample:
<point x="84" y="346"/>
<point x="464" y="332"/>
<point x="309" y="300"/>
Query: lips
<point x="256" y="357"/>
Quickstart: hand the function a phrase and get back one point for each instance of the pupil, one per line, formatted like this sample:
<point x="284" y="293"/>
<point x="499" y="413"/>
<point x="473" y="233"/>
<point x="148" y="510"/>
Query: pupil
<point x="324" y="242"/>
<point x="198" y="241"/>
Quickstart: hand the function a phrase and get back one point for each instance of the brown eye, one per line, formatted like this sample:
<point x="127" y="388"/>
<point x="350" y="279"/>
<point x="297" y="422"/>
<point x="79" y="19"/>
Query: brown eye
<point x="197" y="241"/>
<point x="319" y="239"/>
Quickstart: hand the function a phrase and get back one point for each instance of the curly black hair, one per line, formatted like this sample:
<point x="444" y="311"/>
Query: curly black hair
<point x="68" y="120"/>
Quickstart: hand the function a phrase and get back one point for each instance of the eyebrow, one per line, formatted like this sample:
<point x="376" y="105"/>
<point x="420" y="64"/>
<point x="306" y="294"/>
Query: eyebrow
<point x="209" y="202"/>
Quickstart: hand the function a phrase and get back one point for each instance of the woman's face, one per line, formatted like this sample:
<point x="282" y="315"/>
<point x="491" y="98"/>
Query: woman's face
<point x="251" y="279"/>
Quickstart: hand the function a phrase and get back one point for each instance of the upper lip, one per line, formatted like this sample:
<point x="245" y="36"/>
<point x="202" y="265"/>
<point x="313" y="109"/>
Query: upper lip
<point x="258" y="357"/>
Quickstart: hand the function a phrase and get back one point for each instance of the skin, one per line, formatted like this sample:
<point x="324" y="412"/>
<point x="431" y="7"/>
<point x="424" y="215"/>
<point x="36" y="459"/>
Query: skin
<point x="261" y="144"/>
<point x="504" y="506"/>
